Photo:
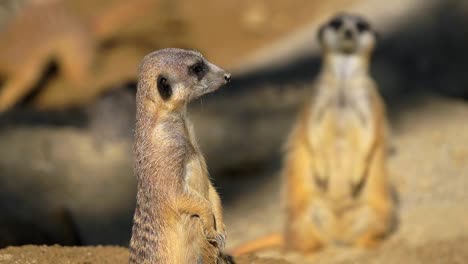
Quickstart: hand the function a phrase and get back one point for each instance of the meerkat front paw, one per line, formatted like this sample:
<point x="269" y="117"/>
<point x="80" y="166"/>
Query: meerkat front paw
<point x="220" y="240"/>
<point x="216" y="235"/>
<point x="216" y="238"/>
<point x="223" y="235"/>
<point x="213" y="237"/>
<point x="209" y="229"/>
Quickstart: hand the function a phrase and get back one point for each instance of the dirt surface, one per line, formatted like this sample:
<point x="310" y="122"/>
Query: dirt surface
<point x="57" y="254"/>
<point x="440" y="252"/>
<point x="429" y="170"/>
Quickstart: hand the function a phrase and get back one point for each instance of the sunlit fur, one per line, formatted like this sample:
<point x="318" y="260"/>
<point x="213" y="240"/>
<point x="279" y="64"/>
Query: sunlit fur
<point x="39" y="33"/>
<point x="178" y="217"/>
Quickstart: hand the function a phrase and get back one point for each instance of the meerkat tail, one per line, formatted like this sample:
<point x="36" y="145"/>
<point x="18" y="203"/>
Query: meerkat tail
<point x="265" y="242"/>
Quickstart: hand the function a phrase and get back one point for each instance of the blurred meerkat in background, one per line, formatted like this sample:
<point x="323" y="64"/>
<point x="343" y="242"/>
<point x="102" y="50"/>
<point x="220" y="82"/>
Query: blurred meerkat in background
<point x="336" y="183"/>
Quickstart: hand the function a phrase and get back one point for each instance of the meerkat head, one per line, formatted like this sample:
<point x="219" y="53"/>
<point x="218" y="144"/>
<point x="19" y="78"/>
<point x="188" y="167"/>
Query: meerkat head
<point x="170" y="78"/>
<point x="347" y="34"/>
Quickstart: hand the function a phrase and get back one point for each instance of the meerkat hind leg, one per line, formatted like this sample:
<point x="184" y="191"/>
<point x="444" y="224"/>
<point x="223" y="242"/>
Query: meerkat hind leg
<point x="300" y="233"/>
<point x="369" y="226"/>
<point x="302" y="236"/>
<point x="379" y="205"/>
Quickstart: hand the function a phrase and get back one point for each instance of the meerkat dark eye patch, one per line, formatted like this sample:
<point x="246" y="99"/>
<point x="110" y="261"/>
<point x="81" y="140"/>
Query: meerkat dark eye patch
<point x="336" y="23"/>
<point x="362" y="26"/>
<point x="199" y="69"/>
<point x="164" y="88"/>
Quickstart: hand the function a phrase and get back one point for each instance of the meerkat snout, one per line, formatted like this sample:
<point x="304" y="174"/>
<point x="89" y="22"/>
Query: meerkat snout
<point x="348" y="34"/>
<point x="227" y="77"/>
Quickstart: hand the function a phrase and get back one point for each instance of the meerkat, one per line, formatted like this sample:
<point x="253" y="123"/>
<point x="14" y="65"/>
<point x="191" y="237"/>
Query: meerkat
<point x="178" y="217"/>
<point x="336" y="185"/>
<point x="41" y="31"/>
<point x="45" y="31"/>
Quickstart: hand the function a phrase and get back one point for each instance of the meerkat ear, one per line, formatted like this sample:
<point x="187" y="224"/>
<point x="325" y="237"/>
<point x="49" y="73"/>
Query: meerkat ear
<point x="164" y="88"/>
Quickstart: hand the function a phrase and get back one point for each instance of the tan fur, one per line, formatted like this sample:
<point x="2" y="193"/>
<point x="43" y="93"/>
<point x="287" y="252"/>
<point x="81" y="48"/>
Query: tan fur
<point x="336" y="181"/>
<point x="48" y="30"/>
<point x="268" y="241"/>
<point x="178" y="217"/>
<point x="23" y="55"/>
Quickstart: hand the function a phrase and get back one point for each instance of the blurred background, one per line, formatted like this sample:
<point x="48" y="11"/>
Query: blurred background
<point x="67" y="95"/>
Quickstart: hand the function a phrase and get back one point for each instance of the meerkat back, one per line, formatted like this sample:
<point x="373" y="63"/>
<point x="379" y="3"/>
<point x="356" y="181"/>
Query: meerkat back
<point x="335" y="171"/>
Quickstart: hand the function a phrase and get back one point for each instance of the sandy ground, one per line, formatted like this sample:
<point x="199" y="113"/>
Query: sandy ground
<point x="429" y="170"/>
<point x="57" y="254"/>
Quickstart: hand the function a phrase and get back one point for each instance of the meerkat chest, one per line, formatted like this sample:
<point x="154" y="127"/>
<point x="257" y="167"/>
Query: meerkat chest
<point x="196" y="172"/>
<point x="343" y="92"/>
<point x="196" y="175"/>
<point x="340" y="130"/>
<point x="344" y="103"/>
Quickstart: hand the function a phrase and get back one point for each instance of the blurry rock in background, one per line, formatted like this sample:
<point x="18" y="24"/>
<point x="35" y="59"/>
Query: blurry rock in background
<point x="66" y="174"/>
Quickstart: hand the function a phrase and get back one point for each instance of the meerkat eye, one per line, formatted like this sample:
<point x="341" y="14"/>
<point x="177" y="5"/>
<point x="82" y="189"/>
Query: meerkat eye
<point x="362" y="26"/>
<point x="164" y="88"/>
<point x="336" y="23"/>
<point x="199" y="69"/>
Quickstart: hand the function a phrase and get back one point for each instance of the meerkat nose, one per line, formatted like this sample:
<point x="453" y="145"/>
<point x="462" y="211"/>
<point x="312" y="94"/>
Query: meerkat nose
<point x="227" y="77"/>
<point x="348" y="34"/>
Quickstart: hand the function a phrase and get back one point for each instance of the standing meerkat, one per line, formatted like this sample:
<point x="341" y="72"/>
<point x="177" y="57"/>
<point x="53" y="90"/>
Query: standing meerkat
<point x="178" y="217"/>
<point x="336" y="183"/>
